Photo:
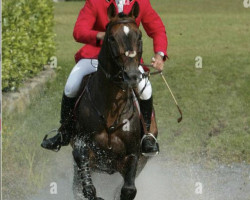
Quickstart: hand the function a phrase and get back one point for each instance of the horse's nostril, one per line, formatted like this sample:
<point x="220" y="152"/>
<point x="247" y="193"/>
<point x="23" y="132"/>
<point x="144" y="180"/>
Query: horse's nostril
<point x="133" y="76"/>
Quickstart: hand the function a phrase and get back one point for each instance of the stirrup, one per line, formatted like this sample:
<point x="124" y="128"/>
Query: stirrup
<point x="50" y="133"/>
<point x="153" y="153"/>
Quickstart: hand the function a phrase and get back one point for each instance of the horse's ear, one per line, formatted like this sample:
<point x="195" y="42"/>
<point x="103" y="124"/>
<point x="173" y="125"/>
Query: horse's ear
<point x="111" y="11"/>
<point x="135" y="10"/>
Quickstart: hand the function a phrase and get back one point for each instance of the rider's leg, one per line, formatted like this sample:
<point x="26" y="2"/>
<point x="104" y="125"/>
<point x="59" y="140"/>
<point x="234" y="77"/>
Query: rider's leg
<point x="81" y="69"/>
<point x="149" y="143"/>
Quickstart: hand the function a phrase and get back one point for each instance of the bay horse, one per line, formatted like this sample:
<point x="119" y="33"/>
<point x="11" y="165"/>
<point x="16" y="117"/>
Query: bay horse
<point x="107" y="120"/>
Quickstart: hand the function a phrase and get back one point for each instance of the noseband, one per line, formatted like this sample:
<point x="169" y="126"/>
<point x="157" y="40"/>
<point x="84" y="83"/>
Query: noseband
<point x="120" y="77"/>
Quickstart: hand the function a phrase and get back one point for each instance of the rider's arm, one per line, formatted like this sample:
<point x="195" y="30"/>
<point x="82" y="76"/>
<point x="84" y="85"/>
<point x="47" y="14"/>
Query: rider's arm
<point x="155" y="28"/>
<point x="83" y="30"/>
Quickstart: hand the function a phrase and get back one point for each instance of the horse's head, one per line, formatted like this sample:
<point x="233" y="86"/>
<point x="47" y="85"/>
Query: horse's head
<point x="123" y="44"/>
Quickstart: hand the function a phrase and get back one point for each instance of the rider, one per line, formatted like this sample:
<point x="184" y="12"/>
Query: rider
<point x="90" y="29"/>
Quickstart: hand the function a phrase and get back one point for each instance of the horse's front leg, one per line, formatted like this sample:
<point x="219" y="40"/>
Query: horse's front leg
<point x="128" y="191"/>
<point x="81" y="157"/>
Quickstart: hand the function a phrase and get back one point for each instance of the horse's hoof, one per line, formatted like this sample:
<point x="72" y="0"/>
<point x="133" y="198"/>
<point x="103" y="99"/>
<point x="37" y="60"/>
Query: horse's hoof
<point x="128" y="193"/>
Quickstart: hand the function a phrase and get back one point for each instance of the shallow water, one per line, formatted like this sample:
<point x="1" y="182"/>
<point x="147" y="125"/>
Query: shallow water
<point x="161" y="179"/>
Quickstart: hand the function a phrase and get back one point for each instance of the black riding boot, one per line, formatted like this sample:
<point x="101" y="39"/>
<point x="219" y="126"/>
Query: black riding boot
<point x="63" y="136"/>
<point x="149" y="143"/>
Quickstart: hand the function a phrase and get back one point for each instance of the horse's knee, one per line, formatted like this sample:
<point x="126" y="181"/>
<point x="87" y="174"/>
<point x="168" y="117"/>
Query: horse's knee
<point x="128" y="192"/>
<point x="77" y="156"/>
<point x="80" y="155"/>
<point x="89" y="191"/>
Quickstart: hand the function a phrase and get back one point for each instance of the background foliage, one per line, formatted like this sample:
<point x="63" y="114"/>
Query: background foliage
<point x="28" y="39"/>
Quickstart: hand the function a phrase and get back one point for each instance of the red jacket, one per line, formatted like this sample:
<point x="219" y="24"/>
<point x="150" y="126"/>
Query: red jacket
<point x="93" y="18"/>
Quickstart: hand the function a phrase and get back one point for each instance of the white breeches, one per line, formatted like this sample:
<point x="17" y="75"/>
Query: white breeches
<point x="88" y="66"/>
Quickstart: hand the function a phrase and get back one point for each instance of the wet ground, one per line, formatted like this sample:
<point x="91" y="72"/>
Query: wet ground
<point x="161" y="179"/>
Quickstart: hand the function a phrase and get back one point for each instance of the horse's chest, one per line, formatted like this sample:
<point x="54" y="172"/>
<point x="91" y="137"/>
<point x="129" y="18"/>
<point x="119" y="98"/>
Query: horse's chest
<point x="102" y="160"/>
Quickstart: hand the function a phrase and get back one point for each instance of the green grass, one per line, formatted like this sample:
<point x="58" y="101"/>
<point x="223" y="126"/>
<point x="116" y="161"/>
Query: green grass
<point x="214" y="99"/>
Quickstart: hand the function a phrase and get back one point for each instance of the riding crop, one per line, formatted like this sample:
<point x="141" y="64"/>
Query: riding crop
<point x="166" y="83"/>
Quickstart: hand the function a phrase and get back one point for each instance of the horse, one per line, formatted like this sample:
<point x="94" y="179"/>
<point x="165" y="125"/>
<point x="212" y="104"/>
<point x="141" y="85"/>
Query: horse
<point x="108" y="122"/>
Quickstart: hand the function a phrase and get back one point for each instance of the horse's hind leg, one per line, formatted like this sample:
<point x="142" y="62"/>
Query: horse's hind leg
<point x="128" y="190"/>
<point x="81" y="157"/>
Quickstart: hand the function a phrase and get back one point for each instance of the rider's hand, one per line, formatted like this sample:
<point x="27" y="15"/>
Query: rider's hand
<point x="157" y="62"/>
<point x="100" y="35"/>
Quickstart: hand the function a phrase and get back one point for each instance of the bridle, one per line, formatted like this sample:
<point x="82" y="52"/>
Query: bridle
<point x="121" y="76"/>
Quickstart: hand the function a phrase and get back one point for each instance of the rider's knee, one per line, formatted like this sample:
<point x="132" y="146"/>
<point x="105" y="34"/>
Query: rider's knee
<point x="70" y="90"/>
<point x="146" y="89"/>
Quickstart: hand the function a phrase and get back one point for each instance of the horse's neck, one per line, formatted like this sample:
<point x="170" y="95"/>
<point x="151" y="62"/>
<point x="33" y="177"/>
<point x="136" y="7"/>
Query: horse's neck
<point x="106" y="92"/>
<point x="108" y="96"/>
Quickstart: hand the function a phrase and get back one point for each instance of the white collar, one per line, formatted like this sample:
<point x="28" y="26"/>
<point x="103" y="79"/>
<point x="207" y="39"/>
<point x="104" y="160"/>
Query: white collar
<point x="120" y="4"/>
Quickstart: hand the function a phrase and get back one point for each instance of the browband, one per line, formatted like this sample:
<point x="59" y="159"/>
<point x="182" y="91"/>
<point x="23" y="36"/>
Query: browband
<point x="124" y="21"/>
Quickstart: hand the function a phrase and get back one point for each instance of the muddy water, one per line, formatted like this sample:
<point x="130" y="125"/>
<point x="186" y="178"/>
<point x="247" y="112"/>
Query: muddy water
<point x="161" y="179"/>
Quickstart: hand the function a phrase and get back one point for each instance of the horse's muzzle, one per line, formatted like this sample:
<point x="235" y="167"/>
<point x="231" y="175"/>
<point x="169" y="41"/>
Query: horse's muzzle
<point x="132" y="78"/>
